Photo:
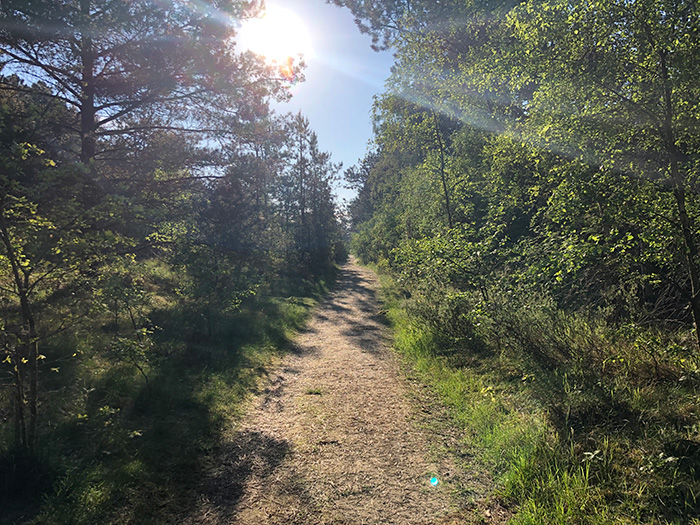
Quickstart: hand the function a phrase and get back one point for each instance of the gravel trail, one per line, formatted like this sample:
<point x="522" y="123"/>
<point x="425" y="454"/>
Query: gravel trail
<point x="336" y="436"/>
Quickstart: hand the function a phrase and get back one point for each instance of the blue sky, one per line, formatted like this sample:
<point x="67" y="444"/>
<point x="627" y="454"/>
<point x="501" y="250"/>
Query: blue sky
<point x="341" y="79"/>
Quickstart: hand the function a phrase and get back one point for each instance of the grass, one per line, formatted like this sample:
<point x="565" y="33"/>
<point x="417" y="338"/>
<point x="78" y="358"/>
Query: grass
<point x="118" y="446"/>
<point x="314" y="392"/>
<point x="577" y="422"/>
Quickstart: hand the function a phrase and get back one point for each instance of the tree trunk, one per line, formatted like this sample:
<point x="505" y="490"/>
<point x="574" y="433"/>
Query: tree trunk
<point x="88" y="145"/>
<point x="691" y="249"/>
<point x="679" y="192"/>
<point x="18" y="405"/>
<point x="33" y="356"/>
<point x="441" y="149"/>
<point x="27" y="344"/>
<point x="302" y="182"/>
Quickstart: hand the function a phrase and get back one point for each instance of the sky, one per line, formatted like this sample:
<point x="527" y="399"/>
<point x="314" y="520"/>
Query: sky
<point x="342" y="75"/>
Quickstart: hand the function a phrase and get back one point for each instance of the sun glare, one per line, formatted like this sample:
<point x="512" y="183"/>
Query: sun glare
<point x="279" y="35"/>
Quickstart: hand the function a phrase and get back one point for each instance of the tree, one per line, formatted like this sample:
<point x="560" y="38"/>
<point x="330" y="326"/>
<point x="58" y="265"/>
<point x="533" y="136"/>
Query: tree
<point x="607" y="87"/>
<point x="304" y="197"/>
<point x="617" y="87"/>
<point x="357" y="178"/>
<point x="130" y="68"/>
<point x="53" y="238"/>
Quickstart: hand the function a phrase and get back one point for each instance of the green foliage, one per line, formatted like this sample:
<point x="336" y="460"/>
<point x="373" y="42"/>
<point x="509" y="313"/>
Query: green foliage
<point x="559" y="158"/>
<point x="564" y="281"/>
<point x="128" y="71"/>
<point x="144" y="270"/>
<point x="575" y="419"/>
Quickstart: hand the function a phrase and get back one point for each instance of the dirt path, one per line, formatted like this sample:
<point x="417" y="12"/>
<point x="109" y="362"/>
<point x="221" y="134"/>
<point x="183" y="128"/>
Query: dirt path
<point x="334" y="437"/>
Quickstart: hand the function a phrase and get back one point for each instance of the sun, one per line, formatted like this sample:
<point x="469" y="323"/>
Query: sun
<point x="279" y="36"/>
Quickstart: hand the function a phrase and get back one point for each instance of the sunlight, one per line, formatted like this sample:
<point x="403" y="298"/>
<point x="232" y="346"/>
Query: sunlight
<point x="280" y="36"/>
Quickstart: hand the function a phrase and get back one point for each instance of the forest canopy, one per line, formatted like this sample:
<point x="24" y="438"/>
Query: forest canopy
<point x="558" y="140"/>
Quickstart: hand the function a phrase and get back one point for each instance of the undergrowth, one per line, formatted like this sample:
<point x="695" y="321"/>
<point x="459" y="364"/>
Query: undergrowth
<point x="121" y="443"/>
<point x="579" y="421"/>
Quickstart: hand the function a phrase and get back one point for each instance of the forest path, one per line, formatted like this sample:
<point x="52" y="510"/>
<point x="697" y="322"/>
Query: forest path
<point x="337" y="436"/>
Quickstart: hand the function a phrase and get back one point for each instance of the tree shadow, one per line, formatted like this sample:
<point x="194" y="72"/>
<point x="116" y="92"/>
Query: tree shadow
<point x="250" y="453"/>
<point x="369" y="336"/>
<point x="142" y="451"/>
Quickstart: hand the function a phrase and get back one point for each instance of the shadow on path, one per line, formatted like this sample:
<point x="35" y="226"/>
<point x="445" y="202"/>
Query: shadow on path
<point x="250" y="454"/>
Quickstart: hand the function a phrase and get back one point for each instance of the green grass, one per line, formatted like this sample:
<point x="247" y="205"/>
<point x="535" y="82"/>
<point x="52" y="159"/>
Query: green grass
<point x="577" y="422"/>
<point x="117" y="448"/>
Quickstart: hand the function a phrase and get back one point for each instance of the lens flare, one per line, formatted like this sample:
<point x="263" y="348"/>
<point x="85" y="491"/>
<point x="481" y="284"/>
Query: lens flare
<point x="278" y="36"/>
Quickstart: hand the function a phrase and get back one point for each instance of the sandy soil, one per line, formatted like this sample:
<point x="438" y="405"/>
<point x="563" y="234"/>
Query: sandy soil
<point x="339" y="435"/>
